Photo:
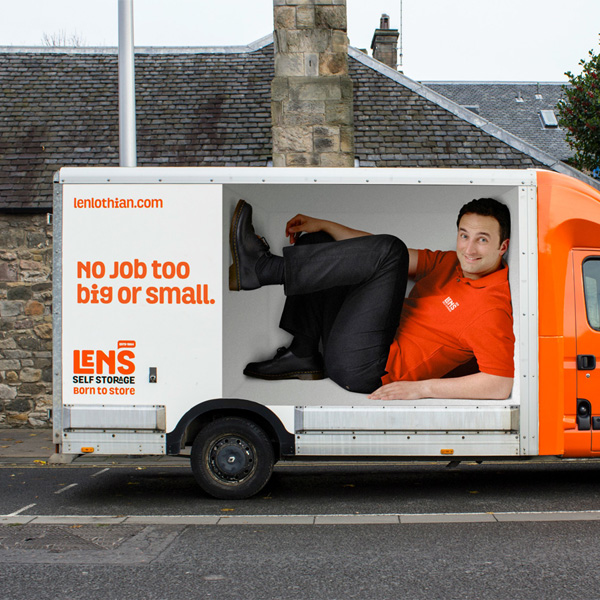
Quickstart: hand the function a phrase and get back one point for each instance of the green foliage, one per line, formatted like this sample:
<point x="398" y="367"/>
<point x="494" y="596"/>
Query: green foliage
<point x="580" y="114"/>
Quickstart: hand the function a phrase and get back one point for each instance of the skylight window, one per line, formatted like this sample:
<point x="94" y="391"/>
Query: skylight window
<point x="549" y="120"/>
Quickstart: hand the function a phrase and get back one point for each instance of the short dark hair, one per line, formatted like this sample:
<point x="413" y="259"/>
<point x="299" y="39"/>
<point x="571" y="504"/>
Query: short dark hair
<point x="488" y="207"/>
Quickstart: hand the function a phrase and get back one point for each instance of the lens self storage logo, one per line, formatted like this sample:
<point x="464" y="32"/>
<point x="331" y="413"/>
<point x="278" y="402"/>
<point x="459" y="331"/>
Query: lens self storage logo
<point x="106" y="372"/>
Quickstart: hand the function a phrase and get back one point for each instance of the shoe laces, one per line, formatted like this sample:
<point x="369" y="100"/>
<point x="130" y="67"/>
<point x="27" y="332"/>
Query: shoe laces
<point x="264" y="241"/>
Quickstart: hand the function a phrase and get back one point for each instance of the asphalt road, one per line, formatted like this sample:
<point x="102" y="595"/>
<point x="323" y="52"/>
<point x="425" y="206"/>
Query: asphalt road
<point x="554" y="558"/>
<point x="308" y="489"/>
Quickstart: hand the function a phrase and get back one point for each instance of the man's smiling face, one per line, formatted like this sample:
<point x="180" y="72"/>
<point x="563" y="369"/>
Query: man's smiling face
<point x="478" y="245"/>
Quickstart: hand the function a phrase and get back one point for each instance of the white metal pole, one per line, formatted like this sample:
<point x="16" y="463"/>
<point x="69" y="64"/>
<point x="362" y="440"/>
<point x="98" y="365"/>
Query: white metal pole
<point x="127" y="133"/>
<point x="400" y="48"/>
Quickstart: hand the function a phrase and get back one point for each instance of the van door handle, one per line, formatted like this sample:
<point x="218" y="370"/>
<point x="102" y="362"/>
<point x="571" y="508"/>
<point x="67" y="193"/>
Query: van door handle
<point x="586" y="362"/>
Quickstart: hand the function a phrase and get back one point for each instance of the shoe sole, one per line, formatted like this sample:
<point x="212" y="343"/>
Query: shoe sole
<point x="304" y="375"/>
<point x="235" y="282"/>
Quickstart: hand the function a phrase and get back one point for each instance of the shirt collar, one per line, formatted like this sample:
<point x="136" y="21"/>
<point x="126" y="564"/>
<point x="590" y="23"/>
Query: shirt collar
<point x="495" y="278"/>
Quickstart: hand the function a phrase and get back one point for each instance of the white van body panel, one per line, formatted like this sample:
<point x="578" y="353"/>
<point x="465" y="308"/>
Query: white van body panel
<point x="199" y="345"/>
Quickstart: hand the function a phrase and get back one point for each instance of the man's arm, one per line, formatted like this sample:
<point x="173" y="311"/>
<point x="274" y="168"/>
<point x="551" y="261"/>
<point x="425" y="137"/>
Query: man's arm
<point x="305" y="224"/>
<point x="479" y="386"/>
<point x="413" y="260"/>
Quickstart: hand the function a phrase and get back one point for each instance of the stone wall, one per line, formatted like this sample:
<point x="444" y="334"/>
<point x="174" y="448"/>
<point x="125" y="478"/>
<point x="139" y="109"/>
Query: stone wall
<point x="311" y="93"/>
<point x="25" y="320"/>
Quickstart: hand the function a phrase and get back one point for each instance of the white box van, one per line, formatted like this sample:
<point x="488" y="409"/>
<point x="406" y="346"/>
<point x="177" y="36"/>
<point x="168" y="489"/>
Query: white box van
<point x="150" y="344"/>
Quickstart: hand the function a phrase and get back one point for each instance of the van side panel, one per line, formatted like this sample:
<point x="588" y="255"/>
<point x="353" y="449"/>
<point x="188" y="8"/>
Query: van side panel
<point x="568" y="217"/>
<point x="551" y="387"/>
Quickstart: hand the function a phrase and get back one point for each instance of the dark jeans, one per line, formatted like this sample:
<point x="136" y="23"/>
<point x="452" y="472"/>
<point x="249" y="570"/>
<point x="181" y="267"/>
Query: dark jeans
<point x="349" y="295"/>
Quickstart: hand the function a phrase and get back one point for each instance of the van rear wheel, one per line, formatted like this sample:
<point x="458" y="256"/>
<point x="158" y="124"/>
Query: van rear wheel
<point x="232" y="458"/>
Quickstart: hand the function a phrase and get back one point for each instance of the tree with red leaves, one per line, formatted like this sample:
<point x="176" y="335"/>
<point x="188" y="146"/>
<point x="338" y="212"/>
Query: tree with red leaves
<point x="580" y="114"/>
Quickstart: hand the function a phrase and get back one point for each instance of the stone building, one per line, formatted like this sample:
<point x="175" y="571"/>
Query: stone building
<point x="294" y="102"/>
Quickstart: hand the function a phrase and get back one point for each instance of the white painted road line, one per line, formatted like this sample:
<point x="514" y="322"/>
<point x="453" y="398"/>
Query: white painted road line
<point x="100" y="472"/>
<point x="17" y="512"/>
<point x="68" y="487"/>
<point x="322" y="519"/>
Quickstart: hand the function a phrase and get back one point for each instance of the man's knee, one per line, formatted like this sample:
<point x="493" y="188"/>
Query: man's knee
<point x="353" y="380"/>
<point x="394" y="245"/>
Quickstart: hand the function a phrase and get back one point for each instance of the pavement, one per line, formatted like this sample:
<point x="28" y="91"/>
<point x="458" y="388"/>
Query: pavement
<point x="34" y="447"/>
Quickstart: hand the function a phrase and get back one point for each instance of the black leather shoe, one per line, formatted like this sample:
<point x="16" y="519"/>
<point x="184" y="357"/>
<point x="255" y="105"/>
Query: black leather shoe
<point x="286" y="365"/>
<point x="246" y="249"/>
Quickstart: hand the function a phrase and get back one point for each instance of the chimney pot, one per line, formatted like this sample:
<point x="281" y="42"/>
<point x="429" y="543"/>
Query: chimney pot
<point x="385" y="43"/>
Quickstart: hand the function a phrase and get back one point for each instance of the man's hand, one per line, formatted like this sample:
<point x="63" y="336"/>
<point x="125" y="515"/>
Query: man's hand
<point x="305" y="224"/>
<point x="399" y="390"/>
<point x="479" y="386"/>
<point x="302" y="224"/>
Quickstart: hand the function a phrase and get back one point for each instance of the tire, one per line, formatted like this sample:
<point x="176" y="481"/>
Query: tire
<point x="232" y="458"/>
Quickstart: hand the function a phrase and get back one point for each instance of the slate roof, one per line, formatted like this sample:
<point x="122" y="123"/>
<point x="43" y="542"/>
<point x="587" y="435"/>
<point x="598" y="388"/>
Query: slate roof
<point x="211" y="107"/>
<point x="398" y="123"/>
<point x="61" y="108"/>
<point x="514" y="106"/>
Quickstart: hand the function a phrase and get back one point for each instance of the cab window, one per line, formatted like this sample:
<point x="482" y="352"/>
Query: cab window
<point x="591" y="288"/>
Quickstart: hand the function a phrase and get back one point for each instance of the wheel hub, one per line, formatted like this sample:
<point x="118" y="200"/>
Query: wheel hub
<point x="231" y="459"/>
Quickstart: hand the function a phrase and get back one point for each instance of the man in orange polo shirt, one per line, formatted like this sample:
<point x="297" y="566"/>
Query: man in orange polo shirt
<point x="349" y="296"/>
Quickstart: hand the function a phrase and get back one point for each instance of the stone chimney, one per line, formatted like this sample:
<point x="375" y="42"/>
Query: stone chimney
<point x="312" y="115"/>
<point x="385" y="43"/>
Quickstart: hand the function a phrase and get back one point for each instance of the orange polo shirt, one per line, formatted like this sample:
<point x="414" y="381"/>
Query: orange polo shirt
<point x="447" y="319"/>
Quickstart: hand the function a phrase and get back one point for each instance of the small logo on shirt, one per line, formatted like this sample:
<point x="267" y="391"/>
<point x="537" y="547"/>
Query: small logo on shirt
<point x="450" y="304"/>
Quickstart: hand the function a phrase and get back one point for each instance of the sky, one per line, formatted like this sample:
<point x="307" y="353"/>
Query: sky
<point x="442" y="40"/>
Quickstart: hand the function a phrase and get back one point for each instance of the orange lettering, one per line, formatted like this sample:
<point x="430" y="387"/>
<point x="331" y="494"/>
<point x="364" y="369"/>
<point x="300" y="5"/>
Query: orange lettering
<point x="102" y="358"/>
<point x="83" y="361"/>
<point x="127" y="367"/>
